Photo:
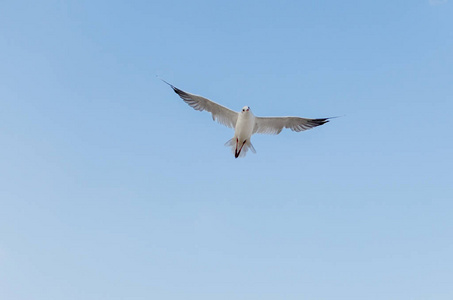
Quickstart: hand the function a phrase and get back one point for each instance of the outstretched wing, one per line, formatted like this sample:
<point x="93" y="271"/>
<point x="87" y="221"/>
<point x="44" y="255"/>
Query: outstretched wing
<point x="274" y="125"/>
<point x="221" y="114"/>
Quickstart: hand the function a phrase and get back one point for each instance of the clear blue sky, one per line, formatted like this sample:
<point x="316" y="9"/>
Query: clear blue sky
<point x="111" y="187"/>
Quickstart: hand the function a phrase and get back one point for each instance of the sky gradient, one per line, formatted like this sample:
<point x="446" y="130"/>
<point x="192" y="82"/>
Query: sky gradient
<point x="111" y="187"/>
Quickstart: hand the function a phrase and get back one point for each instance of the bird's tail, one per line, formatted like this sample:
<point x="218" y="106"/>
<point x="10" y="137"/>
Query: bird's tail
<point x="240" y="148"/>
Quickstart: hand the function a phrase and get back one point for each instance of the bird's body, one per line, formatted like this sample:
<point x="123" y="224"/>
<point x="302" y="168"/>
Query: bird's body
<point x="243" y="132"/>
<point x="246" y="124"/>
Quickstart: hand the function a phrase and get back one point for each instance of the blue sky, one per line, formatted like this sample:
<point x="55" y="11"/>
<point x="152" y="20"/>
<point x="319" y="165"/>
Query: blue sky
<point x="111" y="187"/>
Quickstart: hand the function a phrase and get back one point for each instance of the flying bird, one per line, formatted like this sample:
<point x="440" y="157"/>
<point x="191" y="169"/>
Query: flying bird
<point x="245" y="123"/>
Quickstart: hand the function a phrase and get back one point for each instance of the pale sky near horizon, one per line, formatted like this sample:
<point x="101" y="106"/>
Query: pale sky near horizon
<point x="111" y="187"/>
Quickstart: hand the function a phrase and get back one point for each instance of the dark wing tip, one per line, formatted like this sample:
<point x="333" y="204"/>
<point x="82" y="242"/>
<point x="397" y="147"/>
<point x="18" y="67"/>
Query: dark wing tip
<point x="167" y="83"/>
<point x="185" y="96"/>
<point x="177" y="91"/>
<point x="319" y="122"/>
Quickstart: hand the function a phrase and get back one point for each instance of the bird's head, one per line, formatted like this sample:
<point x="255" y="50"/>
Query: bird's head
<point x="246" y="108"/>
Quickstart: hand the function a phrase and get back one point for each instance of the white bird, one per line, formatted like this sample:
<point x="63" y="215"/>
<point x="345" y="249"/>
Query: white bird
<point x="244" y="123"/>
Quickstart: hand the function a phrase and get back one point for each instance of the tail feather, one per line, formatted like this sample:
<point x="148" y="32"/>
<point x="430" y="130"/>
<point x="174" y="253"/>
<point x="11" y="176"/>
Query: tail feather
<point x="237" y="150"/>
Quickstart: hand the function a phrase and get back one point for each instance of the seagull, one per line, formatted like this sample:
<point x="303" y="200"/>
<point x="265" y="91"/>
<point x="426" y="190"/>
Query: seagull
<point x="245" y="123"/>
